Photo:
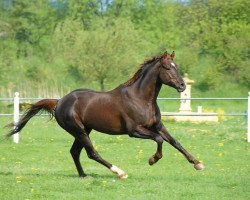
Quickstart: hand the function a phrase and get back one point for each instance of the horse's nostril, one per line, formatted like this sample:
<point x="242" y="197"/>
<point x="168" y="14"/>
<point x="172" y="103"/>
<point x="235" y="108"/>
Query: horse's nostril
<point x="182" y="86"/>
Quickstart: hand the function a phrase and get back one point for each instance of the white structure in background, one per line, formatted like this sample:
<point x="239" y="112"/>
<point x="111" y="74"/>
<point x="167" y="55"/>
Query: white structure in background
<point x="185" y="111"/>
<point x="186" y="95"/>
<point x="16" y="116"/>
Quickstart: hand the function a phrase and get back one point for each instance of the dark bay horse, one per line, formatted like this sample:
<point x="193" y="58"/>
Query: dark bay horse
<point x="131" y="109"/>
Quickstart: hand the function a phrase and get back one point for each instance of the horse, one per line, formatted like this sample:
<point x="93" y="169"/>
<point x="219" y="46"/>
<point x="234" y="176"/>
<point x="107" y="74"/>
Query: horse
<point x="131" y="108"/>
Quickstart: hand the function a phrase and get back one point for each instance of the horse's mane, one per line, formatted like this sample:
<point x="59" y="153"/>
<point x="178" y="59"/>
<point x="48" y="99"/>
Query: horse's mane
<point x="140" y="70"/>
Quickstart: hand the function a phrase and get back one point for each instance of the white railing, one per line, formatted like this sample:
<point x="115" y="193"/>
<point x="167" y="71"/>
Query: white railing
<point x="248" y="118"/>
<point x="17" y="100"/>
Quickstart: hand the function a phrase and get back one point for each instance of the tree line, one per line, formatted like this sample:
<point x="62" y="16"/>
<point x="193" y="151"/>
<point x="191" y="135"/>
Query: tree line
<point x="62" y="44"/>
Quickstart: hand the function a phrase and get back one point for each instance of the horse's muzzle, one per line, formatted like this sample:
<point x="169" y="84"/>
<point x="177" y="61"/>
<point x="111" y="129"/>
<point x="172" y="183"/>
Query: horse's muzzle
<point x="181" y="87"/>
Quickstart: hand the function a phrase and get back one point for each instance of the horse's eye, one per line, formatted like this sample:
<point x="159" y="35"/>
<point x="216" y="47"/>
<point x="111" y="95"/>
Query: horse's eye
<point x="168" y="67"/>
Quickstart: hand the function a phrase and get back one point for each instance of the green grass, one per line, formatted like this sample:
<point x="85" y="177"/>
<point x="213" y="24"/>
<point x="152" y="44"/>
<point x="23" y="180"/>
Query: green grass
<point x="40" y="166"/>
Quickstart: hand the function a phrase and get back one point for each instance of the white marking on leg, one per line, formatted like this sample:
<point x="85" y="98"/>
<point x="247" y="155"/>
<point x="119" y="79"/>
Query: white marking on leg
<point x="121" y="173"/>
<point x="199" y="166"/>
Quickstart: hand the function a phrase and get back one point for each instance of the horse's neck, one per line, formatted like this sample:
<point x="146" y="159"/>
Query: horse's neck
<point x="147" y="87"/>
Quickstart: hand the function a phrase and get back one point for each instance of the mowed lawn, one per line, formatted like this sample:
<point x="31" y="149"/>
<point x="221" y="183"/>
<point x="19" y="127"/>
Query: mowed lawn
<point x="41" y="167"/>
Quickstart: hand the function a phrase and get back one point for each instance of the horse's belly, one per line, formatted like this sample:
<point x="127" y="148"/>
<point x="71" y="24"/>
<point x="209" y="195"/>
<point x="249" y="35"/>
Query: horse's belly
<point x="106" y="121"/>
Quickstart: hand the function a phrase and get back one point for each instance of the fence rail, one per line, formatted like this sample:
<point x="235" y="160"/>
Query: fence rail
<point x="17" y="100"/>
<point x="204" y="98"/>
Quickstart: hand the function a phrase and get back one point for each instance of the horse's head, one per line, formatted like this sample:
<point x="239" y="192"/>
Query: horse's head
<point x="169" y="73"/>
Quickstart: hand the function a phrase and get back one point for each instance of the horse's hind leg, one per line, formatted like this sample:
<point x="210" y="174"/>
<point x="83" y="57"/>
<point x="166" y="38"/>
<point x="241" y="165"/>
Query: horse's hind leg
<point x="93" y="154"/>
<point x="75" y="152"/>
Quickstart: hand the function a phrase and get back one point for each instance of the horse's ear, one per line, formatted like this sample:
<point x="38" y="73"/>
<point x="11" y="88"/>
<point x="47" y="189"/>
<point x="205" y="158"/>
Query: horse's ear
<point x="172" y="55"/>
<point x="164" y="55"/>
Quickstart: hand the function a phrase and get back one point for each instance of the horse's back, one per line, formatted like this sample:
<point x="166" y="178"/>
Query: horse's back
<point x="95" y="110"/>
<point x="67" y="103"/>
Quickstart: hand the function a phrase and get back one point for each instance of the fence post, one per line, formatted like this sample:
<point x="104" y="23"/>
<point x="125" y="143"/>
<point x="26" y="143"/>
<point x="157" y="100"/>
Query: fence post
<point x="248" y="118"/>
<point x="16" y="116"/>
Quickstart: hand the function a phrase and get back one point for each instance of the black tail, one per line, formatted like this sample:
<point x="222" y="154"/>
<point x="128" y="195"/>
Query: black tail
<point x="45" y="104"/>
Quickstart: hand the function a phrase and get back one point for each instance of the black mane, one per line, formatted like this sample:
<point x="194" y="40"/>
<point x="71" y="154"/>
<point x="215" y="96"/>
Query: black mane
<point x="140" y="71"/>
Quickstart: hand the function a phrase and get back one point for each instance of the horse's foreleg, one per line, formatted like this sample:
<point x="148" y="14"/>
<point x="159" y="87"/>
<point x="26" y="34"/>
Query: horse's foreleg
<point x="144" y="133"/>
<point x="167" y="137"/>
<point x="93" y="154"/>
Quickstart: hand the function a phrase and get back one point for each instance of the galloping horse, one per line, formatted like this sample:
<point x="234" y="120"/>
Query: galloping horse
<point x="131" y="109"/>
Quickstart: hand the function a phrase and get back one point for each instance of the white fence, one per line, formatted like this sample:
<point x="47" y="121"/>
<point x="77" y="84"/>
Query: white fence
<point x="17" y="100"/>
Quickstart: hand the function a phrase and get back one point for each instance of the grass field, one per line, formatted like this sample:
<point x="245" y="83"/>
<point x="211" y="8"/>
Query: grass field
<point x="40" y="166"/>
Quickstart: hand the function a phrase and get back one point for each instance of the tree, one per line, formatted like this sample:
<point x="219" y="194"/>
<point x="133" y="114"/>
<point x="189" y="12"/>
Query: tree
<point x="32" y="21"/>
<point x="106" y="52"/>
<point x="100" y="41"/>
<point x="219" y="30"/>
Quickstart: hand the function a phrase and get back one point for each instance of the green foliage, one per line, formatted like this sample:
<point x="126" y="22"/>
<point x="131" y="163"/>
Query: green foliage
<point x="31" y="21"/>
<point x="109" y="48"/>
<point x="100" y="43"/>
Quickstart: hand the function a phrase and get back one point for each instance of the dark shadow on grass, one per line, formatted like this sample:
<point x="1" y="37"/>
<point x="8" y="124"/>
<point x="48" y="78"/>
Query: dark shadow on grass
<point x="60" y="175"/>
<point x="67" y="174"/>
<point x="6" y="173"/>
<point x="91" y="175"/>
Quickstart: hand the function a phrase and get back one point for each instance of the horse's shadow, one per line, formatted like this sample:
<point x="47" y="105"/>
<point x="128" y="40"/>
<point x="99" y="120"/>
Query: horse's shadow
<point x="89" y="176"/>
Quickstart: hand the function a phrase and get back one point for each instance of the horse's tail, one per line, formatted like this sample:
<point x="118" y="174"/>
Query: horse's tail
<point x="45" y="104"/>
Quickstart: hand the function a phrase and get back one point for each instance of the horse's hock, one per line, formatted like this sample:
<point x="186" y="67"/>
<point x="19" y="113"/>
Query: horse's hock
<point x="185" y="111"/>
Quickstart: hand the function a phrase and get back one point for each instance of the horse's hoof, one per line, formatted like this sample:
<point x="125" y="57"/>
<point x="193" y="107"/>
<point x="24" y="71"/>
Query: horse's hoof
<point x="151" y="161"/>
<point x="83" y="176"/>
<point x="199" y="166"/>
<point x="123" y="176"/>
